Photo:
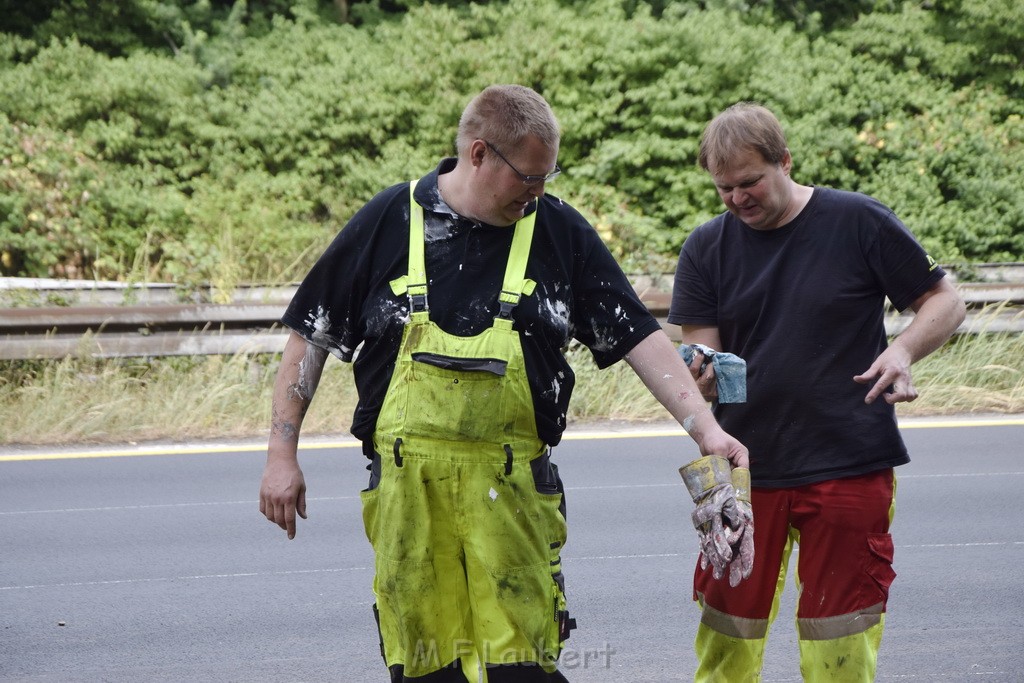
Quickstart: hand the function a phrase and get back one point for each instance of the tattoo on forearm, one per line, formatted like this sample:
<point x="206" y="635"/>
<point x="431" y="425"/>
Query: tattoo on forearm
<point x="285" y="428"/>
<point x="289" y="429"/>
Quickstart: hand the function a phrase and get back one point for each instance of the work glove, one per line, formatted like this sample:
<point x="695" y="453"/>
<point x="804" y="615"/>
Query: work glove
<point x="709" y="482"/>
<point x="741" y="529"/>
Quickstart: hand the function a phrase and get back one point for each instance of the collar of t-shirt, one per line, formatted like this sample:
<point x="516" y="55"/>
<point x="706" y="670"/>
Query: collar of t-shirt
<point x="428" y="195"/>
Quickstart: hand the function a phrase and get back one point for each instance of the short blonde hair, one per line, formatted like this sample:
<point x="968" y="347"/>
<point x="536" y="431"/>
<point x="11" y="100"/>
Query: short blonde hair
<point x="745" y="126"/>
<point x="504" y="115"/>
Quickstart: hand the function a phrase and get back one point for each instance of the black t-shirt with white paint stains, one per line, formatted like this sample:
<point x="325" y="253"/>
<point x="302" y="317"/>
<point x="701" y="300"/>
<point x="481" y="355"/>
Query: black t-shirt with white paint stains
<point x="346" y="300"/>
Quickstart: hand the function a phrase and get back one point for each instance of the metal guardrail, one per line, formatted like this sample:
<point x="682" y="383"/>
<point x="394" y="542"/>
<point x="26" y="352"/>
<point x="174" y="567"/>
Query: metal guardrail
<point x="161" y="330"/>
<point x="57" y="318"/>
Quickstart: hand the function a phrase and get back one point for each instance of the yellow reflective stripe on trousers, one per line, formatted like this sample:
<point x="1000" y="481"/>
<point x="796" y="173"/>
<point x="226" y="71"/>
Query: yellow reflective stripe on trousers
<point x="839" y="649"/>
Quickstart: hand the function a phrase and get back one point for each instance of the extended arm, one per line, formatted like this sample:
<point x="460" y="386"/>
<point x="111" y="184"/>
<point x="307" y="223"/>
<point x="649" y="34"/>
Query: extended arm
<point x="283" y="488"/>
<point x="656" y="361"/>
<point x="723" y="518"/>
<point x="937" y="314"/>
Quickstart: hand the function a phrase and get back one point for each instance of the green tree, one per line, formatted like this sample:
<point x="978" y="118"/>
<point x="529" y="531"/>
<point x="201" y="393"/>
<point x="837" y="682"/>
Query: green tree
<point x="238" y="148"/>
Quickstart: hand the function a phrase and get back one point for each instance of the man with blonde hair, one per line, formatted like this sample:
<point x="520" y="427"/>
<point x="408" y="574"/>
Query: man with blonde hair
<point x="793" y="279"/>
<point x="461" y="289"/>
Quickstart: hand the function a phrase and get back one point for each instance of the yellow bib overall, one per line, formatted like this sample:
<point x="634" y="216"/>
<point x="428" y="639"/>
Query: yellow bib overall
<point x="467" y="538"/>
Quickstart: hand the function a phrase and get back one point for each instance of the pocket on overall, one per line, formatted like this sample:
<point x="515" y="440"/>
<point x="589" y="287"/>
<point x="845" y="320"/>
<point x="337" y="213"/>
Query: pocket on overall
<point x="562" y="623"/>
<point x="546" y="480"/>
<point x="371" y="508"/>
<point x="552" y="496"/>
<point x="495" y="366"/>
<point x="461" y="398"/>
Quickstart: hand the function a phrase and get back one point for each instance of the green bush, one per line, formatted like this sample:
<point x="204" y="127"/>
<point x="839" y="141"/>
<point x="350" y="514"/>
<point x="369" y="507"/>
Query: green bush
<point x="225" y="142"/>
<point x="45" y="183"/>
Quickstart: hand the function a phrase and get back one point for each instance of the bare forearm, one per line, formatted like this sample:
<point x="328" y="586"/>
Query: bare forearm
<point x="283" y="487"/>
<point x="936" y="318"/>
<point x="658" y="364"/>
<point x="297" y="380"/>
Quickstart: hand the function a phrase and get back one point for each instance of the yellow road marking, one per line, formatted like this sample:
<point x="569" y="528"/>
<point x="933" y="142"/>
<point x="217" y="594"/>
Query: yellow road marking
<point x="583" y="435"/>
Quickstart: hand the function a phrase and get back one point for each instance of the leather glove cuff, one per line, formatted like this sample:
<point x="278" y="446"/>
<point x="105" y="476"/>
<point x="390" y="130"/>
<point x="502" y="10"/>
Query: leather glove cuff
<point x="741" y="483"/>
<point x="704" y="475"/>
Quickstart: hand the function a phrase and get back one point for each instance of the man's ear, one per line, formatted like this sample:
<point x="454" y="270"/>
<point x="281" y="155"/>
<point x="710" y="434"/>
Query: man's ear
<point x="787" y="162"/>
<point x="477" y="152"/>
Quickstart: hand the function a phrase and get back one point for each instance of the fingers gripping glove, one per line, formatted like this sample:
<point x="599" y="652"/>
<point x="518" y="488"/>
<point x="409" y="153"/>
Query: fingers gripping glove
<point x="741" y="529"/>
<point x="709" y="481"/>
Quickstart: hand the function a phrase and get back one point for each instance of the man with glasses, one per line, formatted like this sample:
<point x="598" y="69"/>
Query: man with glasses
<point x="461" y="289"/>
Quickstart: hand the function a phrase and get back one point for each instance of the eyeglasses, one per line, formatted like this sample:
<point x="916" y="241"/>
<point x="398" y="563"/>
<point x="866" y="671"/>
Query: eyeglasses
<point x="528" y="180"/>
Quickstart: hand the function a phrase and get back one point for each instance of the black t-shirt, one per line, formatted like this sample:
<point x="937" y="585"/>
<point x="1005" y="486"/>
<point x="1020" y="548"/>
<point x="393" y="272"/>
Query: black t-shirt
<point x="346" y="300"/>
<point x="804" y="306"/>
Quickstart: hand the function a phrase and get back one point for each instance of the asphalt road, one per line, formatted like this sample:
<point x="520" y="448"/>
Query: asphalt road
<point x="154" y="565"/>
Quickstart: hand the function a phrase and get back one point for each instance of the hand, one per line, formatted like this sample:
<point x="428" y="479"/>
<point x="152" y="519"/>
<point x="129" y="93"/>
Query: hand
<point x="891" y="376"/>
<point x="283" y="493"/>
<point x="713" y="440"/>
<point x="703" y="372"/>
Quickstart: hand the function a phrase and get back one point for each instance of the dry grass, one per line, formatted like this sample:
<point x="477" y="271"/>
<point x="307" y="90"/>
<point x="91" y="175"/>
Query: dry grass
<point x="78" y="401"/>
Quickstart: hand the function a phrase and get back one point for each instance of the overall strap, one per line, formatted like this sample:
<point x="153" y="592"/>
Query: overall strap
<point x="415" y="282"/>
<point x="514" y="286"/>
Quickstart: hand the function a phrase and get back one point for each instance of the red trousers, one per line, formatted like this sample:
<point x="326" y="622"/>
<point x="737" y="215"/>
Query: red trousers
<point x="844" y="571"/>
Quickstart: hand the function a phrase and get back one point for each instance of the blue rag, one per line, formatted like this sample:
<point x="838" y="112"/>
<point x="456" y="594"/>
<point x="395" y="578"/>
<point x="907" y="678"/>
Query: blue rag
<point x="730" y="371"/>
